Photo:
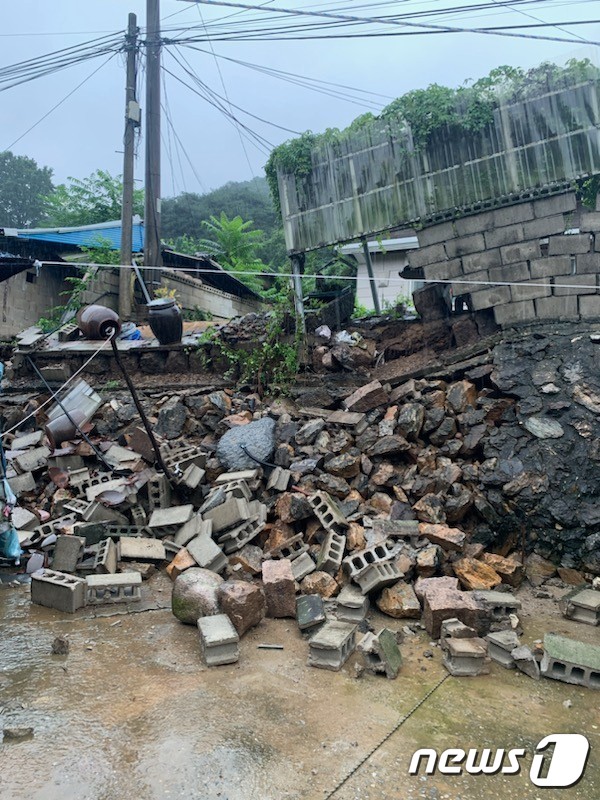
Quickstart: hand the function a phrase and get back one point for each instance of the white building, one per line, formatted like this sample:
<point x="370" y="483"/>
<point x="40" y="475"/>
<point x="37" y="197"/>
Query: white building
<point x="389" y="258"/>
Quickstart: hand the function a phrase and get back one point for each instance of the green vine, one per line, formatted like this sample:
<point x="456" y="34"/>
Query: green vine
<point x="428" y="112"/>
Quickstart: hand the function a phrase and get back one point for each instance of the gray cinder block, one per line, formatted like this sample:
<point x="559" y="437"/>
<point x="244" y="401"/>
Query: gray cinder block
<point x="218" y="640"/>
<point x="332" y="645"/>
<point x="57" y="590"/>
<point x="126" y="587"/>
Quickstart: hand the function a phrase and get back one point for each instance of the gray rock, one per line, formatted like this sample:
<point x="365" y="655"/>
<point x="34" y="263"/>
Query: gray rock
<point x="171" y="419"/>
<point x="258" y="437"/>
<point x="195" y="595"/>
<point x="544" y="428"/>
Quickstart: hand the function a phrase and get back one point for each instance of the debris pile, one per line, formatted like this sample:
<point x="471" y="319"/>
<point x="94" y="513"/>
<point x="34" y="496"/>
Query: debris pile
<point x="293" y="511"/>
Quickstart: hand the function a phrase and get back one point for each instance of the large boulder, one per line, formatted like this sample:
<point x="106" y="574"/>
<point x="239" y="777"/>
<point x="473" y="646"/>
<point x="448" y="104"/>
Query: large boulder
<point x="259" y="439"/>
<point x="195" y="595"/>
<point x="243" y="602"/>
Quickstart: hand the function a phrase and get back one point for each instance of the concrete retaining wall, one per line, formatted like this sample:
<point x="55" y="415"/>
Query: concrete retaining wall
<point x="553" y="273"/>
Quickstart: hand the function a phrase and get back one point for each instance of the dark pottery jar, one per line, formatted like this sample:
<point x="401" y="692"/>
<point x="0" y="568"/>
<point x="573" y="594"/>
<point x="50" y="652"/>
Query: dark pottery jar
<point x="164" y="316"/>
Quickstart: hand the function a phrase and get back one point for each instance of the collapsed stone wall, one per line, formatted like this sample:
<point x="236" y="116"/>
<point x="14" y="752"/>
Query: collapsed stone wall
<point x="527" y="244"/>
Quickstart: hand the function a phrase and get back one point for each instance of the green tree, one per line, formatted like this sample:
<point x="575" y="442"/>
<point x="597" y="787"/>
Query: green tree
<point x="89" y="201"/>
<point x="23" y="187"/>
<point x="234" y="245"/>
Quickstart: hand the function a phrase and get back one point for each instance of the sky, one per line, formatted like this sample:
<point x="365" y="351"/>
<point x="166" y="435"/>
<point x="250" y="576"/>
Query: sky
<point x="202" y="148"/>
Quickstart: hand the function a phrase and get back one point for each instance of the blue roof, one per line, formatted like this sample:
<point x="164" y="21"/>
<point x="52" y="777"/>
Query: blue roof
<point x="88" y="235"/>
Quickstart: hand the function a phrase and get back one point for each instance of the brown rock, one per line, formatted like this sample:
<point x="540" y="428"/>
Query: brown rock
<point x="448" y="538"/>
<point x="235" y="420"/>
<point x="280" y="591"/>
<point x="244" y="603"/>
<point x="366" y="398"/>
<point x="474" y="574"/>
<point x="571" y="576"/>
<point x="292" y="506"/>
<point x="182" y="561"/>
<point x="344" y="466"/>
<point x="538" y="569"/>
<point x="355" y="537"/>
<point x="320" y="583"/>
<point x="381" y="503"/>
<point x="424" y="585"/>
<point x="383" y="474"/>
<point x="510" y="569"/>
<point x="400" y="601"/>
<point x="441" y="603"/>
<point x="338" y="487"/>
<point x="430" y="508"/>
<point x="250" y="558"/>
<point x="428" y="561"/>
<point x="460" y="395"/>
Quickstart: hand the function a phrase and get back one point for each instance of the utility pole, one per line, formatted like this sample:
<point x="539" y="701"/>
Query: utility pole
<point x="152" y="254"/>
<point x="369" y="264"/>
<point x="132" y="121"/>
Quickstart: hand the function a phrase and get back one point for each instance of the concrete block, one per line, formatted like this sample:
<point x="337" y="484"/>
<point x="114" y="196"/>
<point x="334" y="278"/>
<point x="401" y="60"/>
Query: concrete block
<point x="356" y="563"/>
<point x="76" y="506"/>
<point x="20" y="484"/>
<point x="309" y="611"/>
<point x="575" y="285"/>
<point x="290" y="549"/>
<point x="97" y="512"/>
<point x="280" y="590"/>
<point x="589" y="221"/>
<point x="68" y="551"/>
<point x="514" y="313"/>
<point x="481" y="261"/>
<point x="332" y="645"/>
<point x="56" y="590"/>
<point x="551" y="266"/>
<point x="331" y="553"/>
<point x="24" y="520"/>
<point x="247" y="475"/>
<point x="581" y="605"/>
<point x="519" y="271"/>
<point x="302" y="566"/>
<point x="32" y="460"/>
<point x="501" y="237"/>
<point x="570" y="244"/>
<point x="206" y="553"/>
<point x="571" y="661"/>
<point x="192" y="476"/>
<point x="500" y="646"/>
<point x="586" y="263"/>
<point x="138" y="516"/>
<point x="526" y="662"/>
<point x="126" y="587"/>
<point x="229" y="514"/>
<point x="463" y="246"/>
<point x="530" y="291"/>
<point x="558" y="204"/>
<point x="474" y="223"/>
<point x="238" y="489"/>
<point x="473" y="282"/>
<point x="327" y="511"/>
<point x="279" y="479"/>
<point x="378" y="576"/>
<point x="499" y="604"/>
<point x="526" y="251"/>
<point x="236" y="538"/>
<point x="381" y="653"/>
<point x="442" y="270"/>
<point x="426" y="255"/>
<point x="195" y="526"/>
<point x="407" y="530"/>
<point x="466" y="657"/>
<point x="159" y="491"/>
<point x="352" y="605"/>
<point x="168" y="521"/>
<point x="490" y="297"/>
<point x="545" y="226"/>
<point x="125" y="531"/>
<point x="560" y="308"/>
<point x="107" y="557"/>
<point x="510" y="215"/>
<point x="26" y="440"/>
<point x="219" y="640"/>
<point x="135" y="548"/>
<point x="434" y="234"/>
<point x="453" y="628"/>
<point x="589" y="307"/>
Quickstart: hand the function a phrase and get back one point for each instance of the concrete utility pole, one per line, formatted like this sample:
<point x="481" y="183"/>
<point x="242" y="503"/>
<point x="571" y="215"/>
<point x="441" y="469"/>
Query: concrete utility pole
<point x="132" y="121"/>
<point x="152" y="254"/>
<point x="369" y="263"/>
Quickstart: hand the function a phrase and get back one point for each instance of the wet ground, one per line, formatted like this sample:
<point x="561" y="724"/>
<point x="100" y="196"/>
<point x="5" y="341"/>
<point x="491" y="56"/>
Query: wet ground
<point x="132" y="713"/>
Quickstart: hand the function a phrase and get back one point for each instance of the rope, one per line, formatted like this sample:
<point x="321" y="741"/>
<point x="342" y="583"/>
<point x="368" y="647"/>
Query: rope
<point x="374" y="749"/>
<point x="53" y="396"/>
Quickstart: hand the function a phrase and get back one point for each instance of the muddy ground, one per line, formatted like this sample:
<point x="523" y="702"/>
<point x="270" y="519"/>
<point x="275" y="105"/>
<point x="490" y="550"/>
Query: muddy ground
<point x="132" y="713"/>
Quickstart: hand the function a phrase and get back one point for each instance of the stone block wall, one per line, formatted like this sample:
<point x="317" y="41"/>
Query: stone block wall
<point x="519" y="260"/>
<point x="30" y="295"/>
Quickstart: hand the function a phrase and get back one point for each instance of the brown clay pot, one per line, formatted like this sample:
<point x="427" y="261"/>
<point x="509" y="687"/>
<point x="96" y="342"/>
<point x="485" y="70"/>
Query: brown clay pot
<point x="98" y="322"/>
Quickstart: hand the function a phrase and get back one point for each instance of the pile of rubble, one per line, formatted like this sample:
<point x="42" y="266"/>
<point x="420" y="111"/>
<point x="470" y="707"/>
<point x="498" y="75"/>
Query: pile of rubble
<point x="301" y="512"/>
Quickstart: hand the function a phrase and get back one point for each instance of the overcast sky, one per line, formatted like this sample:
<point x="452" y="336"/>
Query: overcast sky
<point x="85" y="132"/>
